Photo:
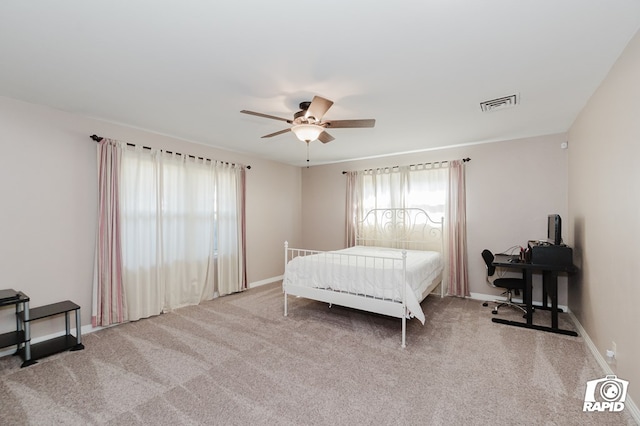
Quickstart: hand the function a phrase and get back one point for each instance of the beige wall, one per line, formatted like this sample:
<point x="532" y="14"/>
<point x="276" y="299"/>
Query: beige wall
<point x="604" y="208"/>
<point x="511" y="188"/>
<point x="48" y="214"/>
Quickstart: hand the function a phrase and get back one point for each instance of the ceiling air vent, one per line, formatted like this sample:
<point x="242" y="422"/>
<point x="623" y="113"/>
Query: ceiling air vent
<point x="500" y="103"/>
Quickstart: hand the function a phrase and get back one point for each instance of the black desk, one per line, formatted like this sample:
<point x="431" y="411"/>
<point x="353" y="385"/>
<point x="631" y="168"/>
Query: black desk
<point x="549" y="291"/>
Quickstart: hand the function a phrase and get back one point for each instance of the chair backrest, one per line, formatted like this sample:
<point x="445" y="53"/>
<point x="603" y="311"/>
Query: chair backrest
<point x="488" y="259"/>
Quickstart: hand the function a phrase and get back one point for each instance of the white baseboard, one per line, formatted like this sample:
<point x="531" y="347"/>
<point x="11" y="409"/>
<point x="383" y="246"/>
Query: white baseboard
<point x="264" y="282"/>
<point x="628" y="404"/>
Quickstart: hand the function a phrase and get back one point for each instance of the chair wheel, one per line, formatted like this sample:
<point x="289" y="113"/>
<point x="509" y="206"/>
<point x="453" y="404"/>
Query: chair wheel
<point x="485" y="304"/>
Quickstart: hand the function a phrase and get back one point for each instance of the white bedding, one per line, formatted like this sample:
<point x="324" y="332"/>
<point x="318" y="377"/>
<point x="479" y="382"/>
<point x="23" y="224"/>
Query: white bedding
<point x="369" y="271"/>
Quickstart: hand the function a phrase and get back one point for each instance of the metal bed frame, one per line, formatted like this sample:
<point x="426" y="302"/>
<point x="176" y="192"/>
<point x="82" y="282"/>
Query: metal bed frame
<point x="405" y="229"/>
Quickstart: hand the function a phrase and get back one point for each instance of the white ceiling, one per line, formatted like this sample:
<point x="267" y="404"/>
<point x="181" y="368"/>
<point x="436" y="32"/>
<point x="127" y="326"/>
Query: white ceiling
<point x="420" y="68"/>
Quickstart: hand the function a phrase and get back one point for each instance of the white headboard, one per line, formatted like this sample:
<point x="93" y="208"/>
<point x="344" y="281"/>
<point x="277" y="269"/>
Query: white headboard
<point x="409" y="228"/>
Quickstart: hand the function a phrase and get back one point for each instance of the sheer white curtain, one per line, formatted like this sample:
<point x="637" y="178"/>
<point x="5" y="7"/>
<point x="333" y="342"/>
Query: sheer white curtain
<point x="141" y="207"/>
<point x="378" y="189"/>
<point x="399" y="187"/>
<point x="431" y="187"/>
<point x="229" y="205"/>
<point x="181" y="231"/>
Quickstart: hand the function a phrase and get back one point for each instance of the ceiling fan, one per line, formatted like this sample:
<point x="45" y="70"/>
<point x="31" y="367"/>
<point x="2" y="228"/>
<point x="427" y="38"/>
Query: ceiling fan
<point x="308" y="124"/>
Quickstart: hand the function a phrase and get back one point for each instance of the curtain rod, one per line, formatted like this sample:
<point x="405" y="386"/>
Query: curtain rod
<point x="414" y="165"/>
<point x="99" y="138"/>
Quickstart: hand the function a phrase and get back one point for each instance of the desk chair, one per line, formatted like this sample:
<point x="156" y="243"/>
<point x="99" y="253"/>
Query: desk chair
<point x="510" y="285"/>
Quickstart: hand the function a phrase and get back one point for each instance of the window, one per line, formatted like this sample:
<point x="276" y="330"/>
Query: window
<point x="405" y="187"/>
<point x="170" y="234"/>
<point x="176" y="199"/>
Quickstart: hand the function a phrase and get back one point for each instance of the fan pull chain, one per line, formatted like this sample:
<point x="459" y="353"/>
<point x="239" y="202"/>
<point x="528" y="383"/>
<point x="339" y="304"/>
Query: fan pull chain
<point x="307" y="154"/>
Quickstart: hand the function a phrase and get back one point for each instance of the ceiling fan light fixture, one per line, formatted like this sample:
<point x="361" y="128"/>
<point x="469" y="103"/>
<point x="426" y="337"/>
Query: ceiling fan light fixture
<point x="307" y="132"/>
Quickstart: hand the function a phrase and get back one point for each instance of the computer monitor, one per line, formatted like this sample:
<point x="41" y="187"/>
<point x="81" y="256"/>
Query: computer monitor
<point x="554" y="229"/>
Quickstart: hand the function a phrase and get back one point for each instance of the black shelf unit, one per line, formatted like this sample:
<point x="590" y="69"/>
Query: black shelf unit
<point x="54" y="346"/>
<point x="31" y="352"/>
<point x="12" y="338"/>
<point x="21" y="302"/>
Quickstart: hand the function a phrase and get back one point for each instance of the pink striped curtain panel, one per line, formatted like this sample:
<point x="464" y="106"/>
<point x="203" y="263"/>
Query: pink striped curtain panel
<point x="456" y="218"/>
<point x="108" y="300"/>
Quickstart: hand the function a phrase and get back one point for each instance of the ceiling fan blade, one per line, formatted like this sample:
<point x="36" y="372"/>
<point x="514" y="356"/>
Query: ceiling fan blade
<point x="338" y="124"/>
<point x="325" y="137"/>
<point x="259" y="114"/>
<point x="318" y="108"/>
<point x="270" y="135"/>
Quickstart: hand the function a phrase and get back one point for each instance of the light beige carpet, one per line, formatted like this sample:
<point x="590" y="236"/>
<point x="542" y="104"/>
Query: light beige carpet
<point x="237" y="360"/>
